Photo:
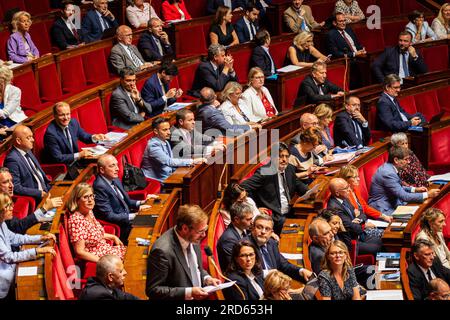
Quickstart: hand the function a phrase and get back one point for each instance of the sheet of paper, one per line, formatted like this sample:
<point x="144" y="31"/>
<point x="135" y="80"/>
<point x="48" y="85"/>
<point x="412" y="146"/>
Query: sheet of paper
<point x="382" y="266"/>
<point x="221" y="286"/>
<point x="289" y="68"/>
<point x="378" y="223"/>
<point x="444" y="177"/>
<point x="384" y="295"/>
<point x="341" y="158"/>
<point x="98" y="150"/>
<point x="27" y="271"/>
<point x="405" y="210"/>
<point x="309" y="193"/>
<point x="292" y="256"/>
<point x="178" y="105"/>
<point x="399" y="224"/>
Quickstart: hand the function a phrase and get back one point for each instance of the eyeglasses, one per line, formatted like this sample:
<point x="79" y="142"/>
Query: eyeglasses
<point x="337" y="253"/>
<point x="201" y="231"/>
<point x="247" y="255"/>
<point x="88" y="197"/>
<point x="262" y="228"/>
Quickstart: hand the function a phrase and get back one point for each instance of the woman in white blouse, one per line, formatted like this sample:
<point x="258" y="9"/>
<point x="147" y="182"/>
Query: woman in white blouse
<point x="258" y="97"/>
<point x="419" y="28"/>
<point x="441" y="24"/>
<point x="233" y="107"/>
<point x="140" y="12"/>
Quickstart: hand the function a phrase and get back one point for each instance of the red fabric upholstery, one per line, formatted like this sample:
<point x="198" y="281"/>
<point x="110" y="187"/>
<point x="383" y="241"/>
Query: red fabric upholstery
<point x="110" y="228"/>
<point x="440" y="150"/>
<point x="73" y="78"/>
<point x="195" y="8"/>
<point x="389" y="7"/>
<point x="290" y="91"/>
<point x="59" y="279"/>
<point x="192" y="41"/>
<point x="39" y="140"/>
<point x="371" y="167"/>
<point x="409" y="104"/>
<point x="414" y="233"/>
<point x="363" y="187"/>
<point x="186" y="76"/>
<point x="4" y="36"/>
<point x="427" y="103"/>
<point x="436" y="57"/>
<point x="366" y="259"/>
<point x="49" y="84"/>
<point x="35" y="7"/>
<point x="444" y="205"/>
<point x="242" y="68"/>
<point x="321" y="10"/>
<point x="252" y="172"/>
<point x="372" y="40"/>
<point x="21" y="208"/>
<point x="30" y="94"/>
<point x="11" y="4"/>
<point x="443" y="95"/>
<point x="90" y="123"/>
<point x="363" y="4"/>
<point x="336" y="76"/>
<point x="95" y="67"/>
<point x="391" y="31"/>
<point x="408" y="6"/>
<point x="278" y="51"/>
<point x="41" y="38"/>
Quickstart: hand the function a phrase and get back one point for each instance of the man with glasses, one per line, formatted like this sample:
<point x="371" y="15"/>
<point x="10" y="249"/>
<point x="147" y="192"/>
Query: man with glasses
<point x="112" y="203"/>
<point x="125" y="54"/>
<point x="387" y="191"/>
<point x="269" y="253"/>
<point x="175" y="268"/>
<point x="126" y="105"/>
<point x="390" y="115"/>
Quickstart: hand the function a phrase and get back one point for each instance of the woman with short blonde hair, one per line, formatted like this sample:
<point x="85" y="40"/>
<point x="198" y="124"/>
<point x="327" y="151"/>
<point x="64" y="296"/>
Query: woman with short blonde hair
<point x="20" y="47"/>
<point x="441" y="24"/>
<point x="302" y="52"/>
<point x="10" y="111"/>
<point x="233" y="107"/>
<point x="277" y="286"/>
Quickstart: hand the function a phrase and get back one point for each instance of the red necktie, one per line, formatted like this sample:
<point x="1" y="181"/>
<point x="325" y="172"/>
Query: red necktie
<point x="348" y="41"/>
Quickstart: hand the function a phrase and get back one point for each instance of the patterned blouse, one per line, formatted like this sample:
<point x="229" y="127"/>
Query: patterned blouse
<point x="352" y="10"/>
<point x="414" y="174"/>
<point x="92" y="232"/>
<point x="329" y="287"/>
<point x="270" y="110"/>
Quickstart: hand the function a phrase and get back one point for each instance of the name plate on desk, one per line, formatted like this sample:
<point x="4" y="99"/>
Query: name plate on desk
<point x="145" y="220"/>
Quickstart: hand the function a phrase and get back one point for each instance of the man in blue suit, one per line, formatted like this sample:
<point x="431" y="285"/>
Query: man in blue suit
<point x="247" y="26"/>
<point x="390" y="115"/>
<point x="156" y="90"/>
<point x="154" y="43"/>
<point x="112" y="203"/>
<point x="213" y="121"/>
<point x="28" y="176"/>
<point x="158" y="162"/>
<point x="62" y="135"/>
<point x="387" y="191"/>
<point x="241" y="221"/>
<point x="261" y="56"/>
<point x="403" y="60"/>
<point x="97" y="21"/>
<point x="235" y="5"/>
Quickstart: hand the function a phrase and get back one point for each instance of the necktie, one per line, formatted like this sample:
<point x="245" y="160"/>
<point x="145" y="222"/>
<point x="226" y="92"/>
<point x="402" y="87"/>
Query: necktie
<point x="69" y="140"/>
<point x="405" y="65"/>
<point x="104" y="23"/>
<point x="74" y="31"/>
<point x="320" y="89"/>
<point x="252" y="31"/>
<point x="36" y="174"/>
<point x="358" y="131"/>
<point x="136" y="61"/>
<point x="266" y="257"/>
<point x="349" y="208"/>
<point x="404" y="118"/>
<point x="429" y="275"/>
<point x="347" y="41"/>
<point x="119" y="196"/>
<point x="192" y="268"/>
<point x="285" y="186"/>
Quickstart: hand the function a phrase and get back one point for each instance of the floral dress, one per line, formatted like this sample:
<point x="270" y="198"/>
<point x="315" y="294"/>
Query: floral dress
<point x="270" y="110"/>
<point x="92" y="232"/>
<point x="414" y="174"/>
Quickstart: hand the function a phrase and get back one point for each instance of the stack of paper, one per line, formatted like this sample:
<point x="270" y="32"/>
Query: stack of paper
<point x="384" y="295"/>
<point x="98" y="150"/>
<point x="378" y="223"/>
<point x="113" y="138"/>
<point x="177" y="106"/>
<point x="289" y="68"/>
<point x="440" y="178"/>
<point x="404" y="212"/>
<point x="341" y="158"/>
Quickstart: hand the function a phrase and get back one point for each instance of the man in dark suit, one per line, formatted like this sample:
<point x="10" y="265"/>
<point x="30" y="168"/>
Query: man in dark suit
<point x="126" y="105"/>
<point x="235" y="5"/>
<point x="321" y="237"/>
<point x="28" y="176"/>
<point x="175" y="269"/>
<point x="350" y="126"/>
<point x="112" y="203"/>
<point x="316" y="87"/>
<point x="403" y="60"/>
<point x="64" y="33"/>
<point x="261" y="56"/>
<point x="108" y="281"/>
<point x="97" y="21"/>
<point x="214" y="73"/>
<point x="241" y="221"/>
<point x="154" y="43"/>
<point x="156" y="90"/>
<point x="390" y="115"/>
<point x="425" y="267"/>
<point x="247" y="26"/>
<point x="269" y="253"/>
<point x="62" y="135"/>
<point x="354" y="220"/>
<point x="273" y="186"/>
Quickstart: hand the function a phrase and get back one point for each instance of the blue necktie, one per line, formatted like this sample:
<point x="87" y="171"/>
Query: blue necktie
<point x="266" y="257"/>
<point x="405" y="65"/>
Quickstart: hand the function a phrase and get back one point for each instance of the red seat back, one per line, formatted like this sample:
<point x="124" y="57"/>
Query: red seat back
<point x="39" y="140"/>
<point x="186" y="76"/>
<point x="427" y="103"/>
<point x="336" y="75"/>
<point x="49" y="83"/>
<point x="192" y="41"/>
<point x="4" y="36"/>
<point x="62" y="290"/>
<point x="321" y="10"/>
<point x="389" y="7"/>
<point x="443" y="95"/>
<point x="371" y="167"/>
<point x="391" y="31"/>
<point x="90" y="123"/>
<point x="408" y="103"/>
<point x="30" y="94"/>
<point x="95" y="67"/>
<point x="252" y="172"/>
<point x="41" y="38"/>
<point x="195" y="8"/>
<point x="440" y="145"/>
<point x="414" y="233"/>
<point x="35" y="7"/>
<point x="73" y="78"/>
<point x="291" y="86"/>
<point x="372" y="40"/>
<point x="363" y="187"/>
<point x="436" y="57"/>
<point x="444" y="205"/>
<point x="363" y="4"/>
<point x="278" y="52"/>
<point x="12" y="4"/>
<point x="242" y="68"/>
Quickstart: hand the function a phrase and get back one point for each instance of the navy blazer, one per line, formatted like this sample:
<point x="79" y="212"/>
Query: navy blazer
<point x="212" y="5"/>
<point x="91" y="27"/>
<point x="212" y="118"/>
<point x="149" y="49"/>
<point x="225" y="246"/>
<point x="261" y="59"/>
<point x="56" y="146"/>
<point x="308" y="92"/>
<point x="419" y="284"/>
<point x="21" y="226"/>
<point x="206" y="76"/>
<point x="388" y="116"/>
<point x="108" y="206"/>
<point x="389" y="62"/>
<point x="337" y="46"/>
<point x="96" y="290"/>
<point x="152" y="93"/>
<point x="347" y="215"/>
<point x="24" y="182"/>
<point x="242" y="31"/>
<point x="61" y="35"/>
<point x="344" y="131"/>
<point x="246" y="286"/>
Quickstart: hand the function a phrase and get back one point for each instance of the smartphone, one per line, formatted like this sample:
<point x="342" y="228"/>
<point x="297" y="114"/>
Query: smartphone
<point x="43" y="244"/>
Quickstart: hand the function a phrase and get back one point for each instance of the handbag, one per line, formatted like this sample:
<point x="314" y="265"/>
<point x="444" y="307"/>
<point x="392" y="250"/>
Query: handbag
<point x="133" y="177"/>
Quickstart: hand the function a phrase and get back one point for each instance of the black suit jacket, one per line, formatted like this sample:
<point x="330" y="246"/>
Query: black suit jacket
<point x="347" y="216"/>
<point x="242" y="31"/>
<point x="419" y="284"/>
<point x="309" y="91"/>
<point x="316" y="254"/>
<point x="95" y="290"/>
<point x="205" y="76"/>
<point x="388" y="117"/>
<point x="261" y="59"/>
<point x="21" y="226"/>
<point x="337" y="46"/>
<point x="389" y="62"/>
<point x="225" y="246"/>
<point x="61" y="35"/>
<point x="149" y="49"/>
<point x="246" y="286"/>
<point x="168" y="275"/>
<point x="344" y="132"/>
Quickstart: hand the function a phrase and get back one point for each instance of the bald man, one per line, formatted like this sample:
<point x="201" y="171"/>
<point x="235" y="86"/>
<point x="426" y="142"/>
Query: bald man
<point x="28" y="177"/>
<point x="125" y="54"/>
<point x="321" y="238"/>
<point x="438" y="290"/>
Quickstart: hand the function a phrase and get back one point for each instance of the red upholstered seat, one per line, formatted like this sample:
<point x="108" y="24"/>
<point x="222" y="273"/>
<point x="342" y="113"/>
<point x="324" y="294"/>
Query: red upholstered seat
<point x="21" y="207"/>
<point x="409" y="104"/>
<point x="41" y="38"/>
<point x="62" y="290"/>
<point x="427" y="103"/>
<point x="252" y="172"/>
<point x="73" y="78"/>
<point x="278" y="52"/>
<point x="195" y="8"/>
<point x="408" y="6"/>
<point x="372" y="40"/>
<point x="4" y="36"/>
<point x="49" y="84"/>
<point x="440" y="151"/>
<point x="35" y="7"/>
<point x="95" y="67"/>
<point x="371" y="167"/>
<point x="363" y="4"/>
<point x="30" y="95"/>
<point x="444" y="205"/>
<point x="156" y="4"/>
<point x="443" y="95"/>
<point x="336" y="76"/>
<point x="366" y="259"/>
<point x="90" y="123"/>
<point x="389" y="7"/>
<point x="186" y="76"/>
<point x="192" y="41"/>
<point x="11" y="4"/>
<point x="391" y="31"/>
<point x="363" y="187"/>
<point x="242" y="68"/>
<point x="436" y="57"/>
<point x="321" y="10"/>
<point x="291" y="86"/>
<point x="414" y="233"/>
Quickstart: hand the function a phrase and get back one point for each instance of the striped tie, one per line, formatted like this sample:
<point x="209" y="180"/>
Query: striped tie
<point x="136" y="61"/>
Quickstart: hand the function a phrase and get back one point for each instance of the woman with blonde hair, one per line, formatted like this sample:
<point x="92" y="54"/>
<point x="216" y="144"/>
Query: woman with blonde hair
<point x="257" y="96"/>
<point x="233" y="107"/>
<point x="85" y="232"/>
<point x="20" y="47"/>
<point x="441" y="24"/>
<point x="8" y="239"/>
<point x="431" y="223"/>
<point x="337" y="280"/>
<point x="277" y="286"/>
<point x="10" y="111"/>
<point x="302" y="52"/>
<point x="324" y="113"/>
<point x="222" y="30"/>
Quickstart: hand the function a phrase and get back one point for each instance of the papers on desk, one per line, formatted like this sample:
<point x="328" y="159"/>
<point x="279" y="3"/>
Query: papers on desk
<point x="178" y="105"/>
<point x="309" y="193"/>
<point x="440" y="177"/>
<point x="98" y="150"/>
<point x="289" y="68"/>
<point x="113" y="138"/>
<point x="404" y="212"/>
<point x="211" y="289"/>
<point x="27" y="271"/>
<point x="292" y="256"/>
<point x="384" y="295"/>
<point x="399" y="224"/>
<point x="340" y="158"/>
<point x="378" y="223"/>
<point x="382" y="266"/>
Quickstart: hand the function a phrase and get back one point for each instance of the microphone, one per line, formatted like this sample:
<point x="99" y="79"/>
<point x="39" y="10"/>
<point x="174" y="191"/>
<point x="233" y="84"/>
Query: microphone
<point x="209" y="254"/>
<point x="346" y="71"/>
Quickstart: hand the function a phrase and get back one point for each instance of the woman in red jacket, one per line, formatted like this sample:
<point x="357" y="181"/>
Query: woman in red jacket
<point x="175" y="10"/>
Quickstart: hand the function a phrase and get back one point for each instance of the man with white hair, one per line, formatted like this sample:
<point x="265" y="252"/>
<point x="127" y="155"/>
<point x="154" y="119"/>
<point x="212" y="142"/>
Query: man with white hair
<point x="97" y="21"/>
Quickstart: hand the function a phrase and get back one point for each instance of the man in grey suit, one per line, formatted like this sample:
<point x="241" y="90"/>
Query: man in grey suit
<point x="125" y="54"/>
<point x="387" y="191"/>
<point x="175" y="269"/>
<point x="126" y="105"/>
